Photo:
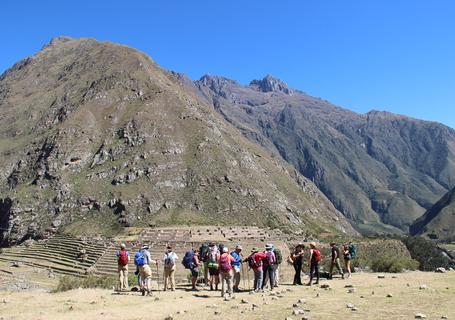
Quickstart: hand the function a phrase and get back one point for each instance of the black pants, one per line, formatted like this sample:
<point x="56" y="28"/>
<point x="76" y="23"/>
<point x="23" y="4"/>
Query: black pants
<point x="298" y="272"/>
<point x="270" y="272"/>
<point x="314" y="271"/>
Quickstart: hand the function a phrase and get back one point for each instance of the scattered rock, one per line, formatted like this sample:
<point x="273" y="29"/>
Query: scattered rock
<point x="381" y="276"/>
<point x="295" y="305"/>
<point x="274" y="298"/>
<point x="389" y="295"/>
<point x="156" y="298"/>
<point x="354" y="309"/>
<point x="298" y="312"/>
<point x="349" y="286"/>
<point x="255" y="305"/>
<point x="169" y="317"/>
<point x="352" y="290"/>
<point x="423" y="287"/>
<point x="244" y="301"/>
<point x="325" y="286"/>
<point x="444" y="317"/>
<point x="420" y="316"/>
<point x="301" y="301"/>
<point x="349" y="306"/>
<point x="217" y="313"/>
<point x="440" y="270"/>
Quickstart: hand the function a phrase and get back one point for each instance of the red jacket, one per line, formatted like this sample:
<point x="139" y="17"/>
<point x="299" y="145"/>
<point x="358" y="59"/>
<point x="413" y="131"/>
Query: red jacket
<point x="258" y="257"/>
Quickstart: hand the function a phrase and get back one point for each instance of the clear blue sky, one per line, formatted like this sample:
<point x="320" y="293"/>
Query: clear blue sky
<point x="396" y="55"/>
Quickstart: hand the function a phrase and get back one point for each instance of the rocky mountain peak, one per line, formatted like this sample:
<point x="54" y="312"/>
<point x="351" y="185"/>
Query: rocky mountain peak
<point x="271" y="84"/>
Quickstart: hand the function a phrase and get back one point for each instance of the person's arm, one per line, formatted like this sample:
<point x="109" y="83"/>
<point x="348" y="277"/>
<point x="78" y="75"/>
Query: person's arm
<point x="311" y="256"/>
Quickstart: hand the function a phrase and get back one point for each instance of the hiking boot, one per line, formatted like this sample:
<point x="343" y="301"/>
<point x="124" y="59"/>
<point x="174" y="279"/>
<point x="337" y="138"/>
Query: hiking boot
<point x="143" y="292"/>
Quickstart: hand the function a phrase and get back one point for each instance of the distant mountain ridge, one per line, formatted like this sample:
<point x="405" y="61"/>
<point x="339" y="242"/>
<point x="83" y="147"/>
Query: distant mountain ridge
<point x="380" y="169"/>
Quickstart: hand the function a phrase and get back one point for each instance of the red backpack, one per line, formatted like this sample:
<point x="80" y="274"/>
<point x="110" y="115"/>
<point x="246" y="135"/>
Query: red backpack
<point x="123" y="258"/>
<point x="316" y="255"/>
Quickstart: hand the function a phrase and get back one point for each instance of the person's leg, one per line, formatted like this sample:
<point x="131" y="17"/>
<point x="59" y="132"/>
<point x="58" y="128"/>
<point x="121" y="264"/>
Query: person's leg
<point x="271" y="272"/>
<point x="316" y="270"/>
<point x="206" y="273"/>
<point x="120" y="278"/>
<point x="125" y="277"/>
<point x="338" y="265"/>
<point x="276" y="276"/>
<point x="311" y="274"/>
<point x="256" y="281"/>
<point x="223" y="278"/>
<point x="172" y="278"/>
<point x="265" y="272"/>
<point x="217" y="280"/>
<point x="349" y="268"/>
<point x="332" y="264"/>
<point x="166" y="276"/>
<point x="296" y="274"/>
<point x="229" y="282"/>
<point x="260" y="277"/>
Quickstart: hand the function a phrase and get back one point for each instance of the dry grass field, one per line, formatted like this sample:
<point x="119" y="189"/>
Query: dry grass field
<point x="370" y="299"/>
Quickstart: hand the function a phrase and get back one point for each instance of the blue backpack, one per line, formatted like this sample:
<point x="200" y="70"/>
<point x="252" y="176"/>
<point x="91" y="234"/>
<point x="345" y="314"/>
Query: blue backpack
<point x="139" y="259"/>
<point x="188" y="260"/>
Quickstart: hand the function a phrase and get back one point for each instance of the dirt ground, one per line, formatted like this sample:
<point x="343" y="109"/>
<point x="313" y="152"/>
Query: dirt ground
<point x="435" y="299"/>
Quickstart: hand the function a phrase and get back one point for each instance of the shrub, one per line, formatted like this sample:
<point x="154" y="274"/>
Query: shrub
<point x="394" y="264"/>
<point x="67" y="283"/>
<point x="426" y="253"/>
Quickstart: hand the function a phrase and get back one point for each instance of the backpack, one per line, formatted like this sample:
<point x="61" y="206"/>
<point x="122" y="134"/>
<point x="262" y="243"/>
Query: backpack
<point x="352" y="251"/>
<point x="212" y="261"/>
<point x="317" y="255"/>
<point x="278" y="255"/>
<point x="169" y="261"/>
<point x="203" y="251"/>
<point x="252" y="262"/>
<point x="123" y="258"/>
<point x="225" y="264"/>
<point x="187" y="261"/>
<point x="139" y="259"/>
<point x="270" y="258"/>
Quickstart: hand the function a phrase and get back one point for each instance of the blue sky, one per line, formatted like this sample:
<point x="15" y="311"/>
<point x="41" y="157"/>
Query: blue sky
<point x="397" y="55"/>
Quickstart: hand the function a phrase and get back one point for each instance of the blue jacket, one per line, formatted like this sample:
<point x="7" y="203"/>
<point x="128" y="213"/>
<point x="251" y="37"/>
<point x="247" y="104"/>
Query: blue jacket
<point x="237" y="259"/>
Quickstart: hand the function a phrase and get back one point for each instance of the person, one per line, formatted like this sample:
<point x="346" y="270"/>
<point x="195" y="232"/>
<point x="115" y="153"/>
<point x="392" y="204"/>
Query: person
<point x="195" y="269"/>
<point x="347" y="259"/>
<point x="269" y="265"/>
<point x="237" y="264"/>
<point x="255" y="263"/>
<point x="203" y="258"/>
<point x="297" y="262"/>
<point x="142" y="260"/>
<point x="225" y="267"/>
<point x="315" y="257"/>
<point x="213" y="258"/>
<point x="123" y="257"/>
<point x="335" y="262"/>
<point x="169" y="260"/>
<point x="279" y="259"/>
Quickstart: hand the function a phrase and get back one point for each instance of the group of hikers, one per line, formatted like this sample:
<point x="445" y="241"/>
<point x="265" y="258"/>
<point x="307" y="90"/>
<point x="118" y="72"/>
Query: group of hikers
<point x="218" y="265"/>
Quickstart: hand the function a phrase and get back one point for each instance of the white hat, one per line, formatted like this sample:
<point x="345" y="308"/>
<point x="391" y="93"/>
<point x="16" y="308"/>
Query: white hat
<point x="225" y="249"/>
<point x="123" y="246"/>
<point x="268" y="246"/>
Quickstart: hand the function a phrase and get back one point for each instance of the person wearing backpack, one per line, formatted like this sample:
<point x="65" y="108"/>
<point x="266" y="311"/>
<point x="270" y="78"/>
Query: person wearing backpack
<point x="315" y="258"/>
<point x="237" y="265"/>
<point x="279" y="259"/>
<point x="142" y="260"/>
<point x="269" y="265"/>
<point x="169" y="268"/>
<point x="123" y="257"/>
<point x="255" y="263"/>
<point x="347" y="259"/>
<point x="213" y="259"/>
<point x="225" y="267"/>
<point x="297" y="261"/>
<point x="203" y="258"/>
<point x="335" y="260"/>
<point x="195" y="269"/>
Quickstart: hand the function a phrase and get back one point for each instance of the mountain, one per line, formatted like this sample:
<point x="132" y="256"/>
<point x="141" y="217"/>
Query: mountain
<point x="381" y="170"/>
<point x="95" y="136"/>
<point x="439" y="221"/>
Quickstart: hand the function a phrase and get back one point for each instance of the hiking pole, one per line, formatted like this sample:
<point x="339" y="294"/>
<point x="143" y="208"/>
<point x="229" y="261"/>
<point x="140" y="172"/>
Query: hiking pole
<point x="243" y="276"/>
<point x="158" y="278"/>
<point x="248" y="275"/>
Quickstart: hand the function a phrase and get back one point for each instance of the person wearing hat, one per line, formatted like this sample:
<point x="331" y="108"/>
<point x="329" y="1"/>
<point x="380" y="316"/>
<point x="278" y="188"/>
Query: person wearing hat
<point x="169" y="268"/>
<point x="225" y="267"/>
<point x="123" y="257"/>
<point x="269" y="265"/>
<point x="143" y="260"/>
<point x="255" y="262"/>
<point x="297" y="263"/>
<point x="315" y="257"/>
<point x="236" y="254"/>
<point x="335" y="262"/>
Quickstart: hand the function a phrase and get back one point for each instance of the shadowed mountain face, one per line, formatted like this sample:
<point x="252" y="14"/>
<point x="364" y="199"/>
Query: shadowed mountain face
<point x="95" y="136"/>
<point x="381" y="170"/>
<point x="439" y="221"/>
